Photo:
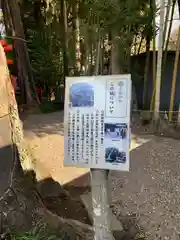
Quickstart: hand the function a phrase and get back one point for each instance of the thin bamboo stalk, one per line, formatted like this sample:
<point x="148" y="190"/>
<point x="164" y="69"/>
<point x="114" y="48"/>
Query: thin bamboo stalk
<point x="168" y="36"/>
<point x="140" y="44"/>
<point x="146" y="71"/>
<point x="166" y="21"/>
<point x="159" y="64"/>
<point x="171" y="106"/>
<point x="154" y="56"/>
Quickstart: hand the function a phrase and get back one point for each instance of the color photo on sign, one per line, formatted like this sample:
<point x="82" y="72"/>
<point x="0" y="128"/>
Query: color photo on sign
<point x="113" y="155"/>
<point x="115" y="131"/>
<point x="81" y="95"/>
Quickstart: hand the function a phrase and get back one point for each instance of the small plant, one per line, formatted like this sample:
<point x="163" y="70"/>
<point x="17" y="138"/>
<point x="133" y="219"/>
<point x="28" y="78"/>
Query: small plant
<point x="34" y="234"/>
<point x="29" y="236"/>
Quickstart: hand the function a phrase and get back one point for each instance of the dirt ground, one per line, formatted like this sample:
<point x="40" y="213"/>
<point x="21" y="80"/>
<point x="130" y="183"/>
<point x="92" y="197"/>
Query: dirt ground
<point x="145" y="199"/>
<point x="44" y="135"/>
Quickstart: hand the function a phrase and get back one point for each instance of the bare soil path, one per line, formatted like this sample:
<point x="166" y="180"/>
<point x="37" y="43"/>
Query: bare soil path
<point x="44" y="133"/>
<point x="146" y="199"/>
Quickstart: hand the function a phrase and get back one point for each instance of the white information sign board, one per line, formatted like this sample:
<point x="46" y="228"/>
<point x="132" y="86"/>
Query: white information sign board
<point x="97" y="122"/>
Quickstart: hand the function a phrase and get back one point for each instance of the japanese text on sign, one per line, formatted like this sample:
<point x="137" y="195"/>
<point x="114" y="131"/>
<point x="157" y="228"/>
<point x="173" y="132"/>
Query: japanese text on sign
<point x="96" y="126"/>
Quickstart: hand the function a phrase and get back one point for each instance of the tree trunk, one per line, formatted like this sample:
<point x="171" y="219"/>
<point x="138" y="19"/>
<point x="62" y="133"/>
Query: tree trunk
<point x="15" y="176"/>
<point x="102" y="56"/>
<point x="23" y="64"/>
<point x="166" y="21"/>
<point x="159" y="66"/>
<point x="76" y="30"/>
<point x="154" y="56"/>
<point x="179" y="6"/>
<point x="11" y="31"/>
<point x="87" y="60"/>
<point x="21" y="205"/>
<point x="98" y="55"/>
<point x="116" y="66"/>
<point x="64" y="37"/>
<point x="146" y="71"/>
<point x="174" y="78"/>
<point x="140" y="45"/>
<point x="168" y="36"/>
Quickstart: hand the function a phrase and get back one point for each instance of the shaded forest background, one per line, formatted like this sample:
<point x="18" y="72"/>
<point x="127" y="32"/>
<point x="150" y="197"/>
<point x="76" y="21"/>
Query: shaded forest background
<point x="54" y="38"/>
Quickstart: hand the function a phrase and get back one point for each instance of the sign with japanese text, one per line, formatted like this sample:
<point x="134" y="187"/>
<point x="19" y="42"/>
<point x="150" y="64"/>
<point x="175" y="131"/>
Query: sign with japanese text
<point x="97" y="122"/>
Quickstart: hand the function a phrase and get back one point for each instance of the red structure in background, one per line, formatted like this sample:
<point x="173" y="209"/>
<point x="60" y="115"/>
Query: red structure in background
<point x="39" y="92"/>
<point x="7" y="49"/>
